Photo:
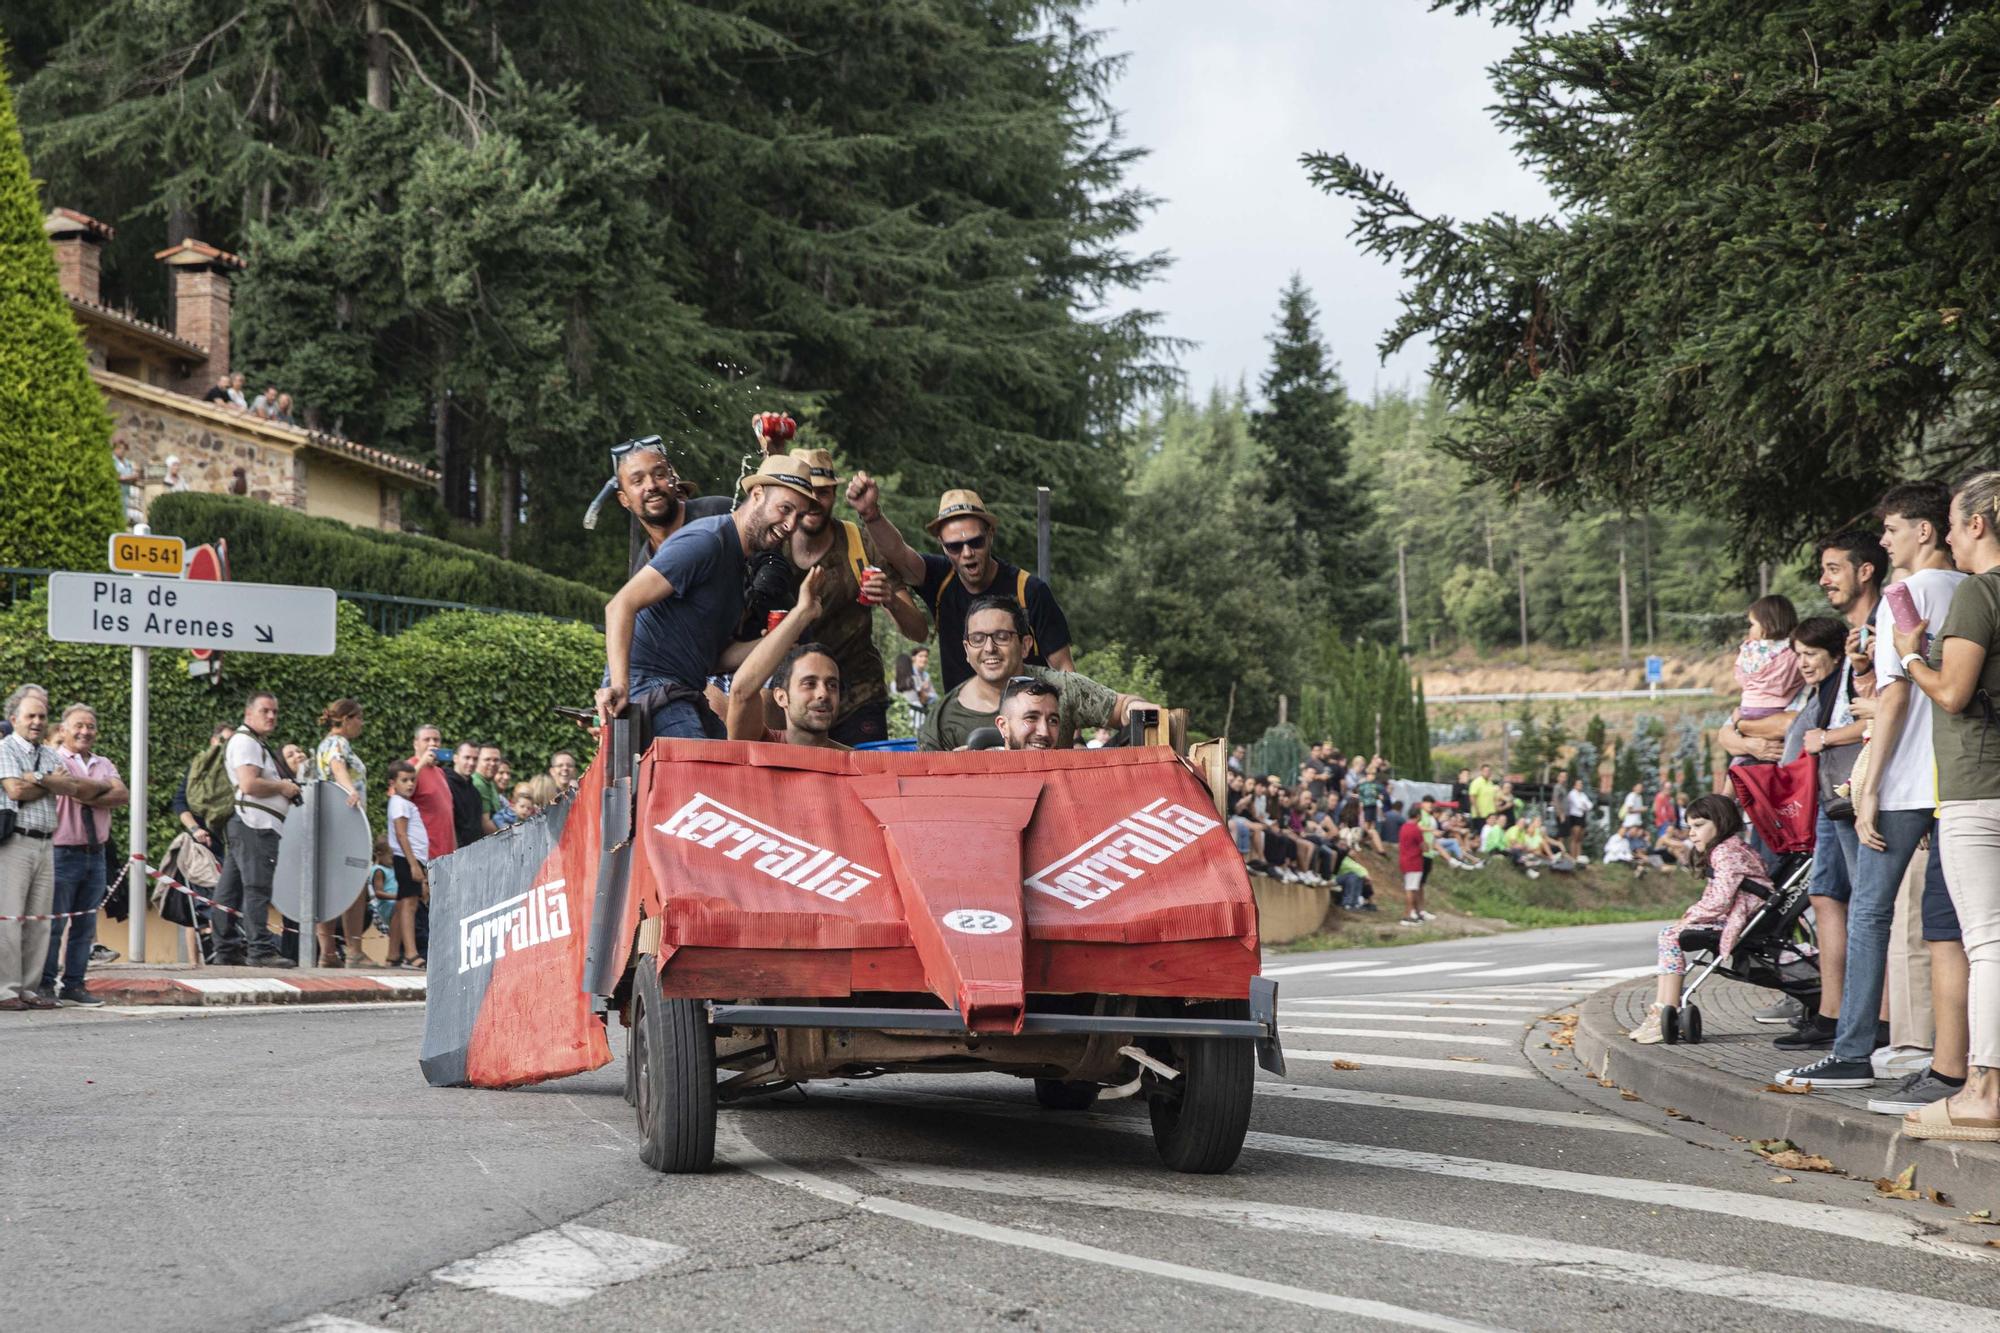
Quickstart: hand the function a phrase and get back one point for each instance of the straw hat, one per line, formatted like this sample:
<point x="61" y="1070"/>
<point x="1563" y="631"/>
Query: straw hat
<point x="782" y="470"/>
<point x="818" y="465"/>
<point x="958" y="504"/>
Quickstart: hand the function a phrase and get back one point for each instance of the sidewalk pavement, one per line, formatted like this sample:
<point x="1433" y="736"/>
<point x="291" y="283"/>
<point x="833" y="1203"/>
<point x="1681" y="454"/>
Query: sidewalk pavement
<point x="183" y="983"/>
<point x="1721" y="1083"/>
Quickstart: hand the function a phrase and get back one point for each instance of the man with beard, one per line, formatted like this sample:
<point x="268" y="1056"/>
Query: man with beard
<point x="650" y="489"/>
<point x="996" y="636"/>
<point x="1030" y="714"/>
<point x="968" y="570"/>
<point x="674" y="622"/>
<point x="804" y="678"/>
<point x="844" y="554"/>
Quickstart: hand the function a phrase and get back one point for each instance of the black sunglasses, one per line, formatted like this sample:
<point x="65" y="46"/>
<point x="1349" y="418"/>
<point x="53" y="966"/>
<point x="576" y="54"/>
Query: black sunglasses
<point x="969" y="544"/>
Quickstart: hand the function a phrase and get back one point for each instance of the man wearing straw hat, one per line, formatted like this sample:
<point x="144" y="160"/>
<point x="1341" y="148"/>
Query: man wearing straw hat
<point x="856" y="583"/>
<point x="673" y="624"/>
<point x="968" y="569"/>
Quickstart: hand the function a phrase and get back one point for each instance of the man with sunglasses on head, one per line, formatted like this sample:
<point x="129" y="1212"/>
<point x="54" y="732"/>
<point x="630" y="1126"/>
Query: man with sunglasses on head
<point x="650" y="489"/>
<point x="950" y="583"/>
<point x="996" y="635"/>
<point x="671" y="627"/>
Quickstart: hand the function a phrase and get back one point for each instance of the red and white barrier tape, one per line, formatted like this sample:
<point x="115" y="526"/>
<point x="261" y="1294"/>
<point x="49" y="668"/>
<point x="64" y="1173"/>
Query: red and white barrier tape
<point x="173" y="885"/>
<point x="64" y="916"/>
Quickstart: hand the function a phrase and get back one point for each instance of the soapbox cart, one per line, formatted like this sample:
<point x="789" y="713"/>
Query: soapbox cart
<point x="762" y="915"/>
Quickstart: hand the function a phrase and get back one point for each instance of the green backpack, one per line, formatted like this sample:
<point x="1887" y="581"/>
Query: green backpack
<point x="210" y="794"/>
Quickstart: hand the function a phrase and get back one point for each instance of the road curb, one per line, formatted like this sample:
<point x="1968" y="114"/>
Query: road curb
<point x="1859" y="1143"/>
<point x="360" y="988"/>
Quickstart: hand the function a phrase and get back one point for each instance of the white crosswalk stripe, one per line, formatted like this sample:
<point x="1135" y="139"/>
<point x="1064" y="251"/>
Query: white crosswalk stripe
<point x="1820" y="1219"/>
<point x="1367" y="1002"/>
<point x="1376" y="1016"/>
<point x="1369" y="1060"/>
<point x="1342" y="965"/>
<point x="1529" y="970"/>
<point x="1393" y="1034"/>
<point x="1817" y="1298"/>
<point x="562" y="1265"/>
<point x="1394" y="1101"/>
<point x="734" y="1148"/>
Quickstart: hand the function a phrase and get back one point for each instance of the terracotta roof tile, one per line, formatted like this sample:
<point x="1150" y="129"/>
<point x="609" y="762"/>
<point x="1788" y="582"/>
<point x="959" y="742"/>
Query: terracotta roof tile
<point x="104" y="313"/>
<point x="62" y="220"/>
<point x="191" y="251"/>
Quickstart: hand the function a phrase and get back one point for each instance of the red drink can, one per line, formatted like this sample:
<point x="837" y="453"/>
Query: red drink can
<point x="868" y="572"/>
<point x="773" y="620"/>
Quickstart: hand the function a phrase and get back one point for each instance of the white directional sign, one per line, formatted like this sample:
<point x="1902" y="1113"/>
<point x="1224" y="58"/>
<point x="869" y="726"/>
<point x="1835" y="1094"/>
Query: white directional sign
<point x="161" y="613"/>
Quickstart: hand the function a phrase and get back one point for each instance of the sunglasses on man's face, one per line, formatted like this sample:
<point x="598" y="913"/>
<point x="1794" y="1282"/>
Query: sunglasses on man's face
<point x="977" y="543"/>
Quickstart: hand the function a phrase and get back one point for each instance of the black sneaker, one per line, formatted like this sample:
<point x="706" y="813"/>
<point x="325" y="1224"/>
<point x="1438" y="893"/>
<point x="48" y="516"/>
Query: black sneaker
<point x="1814" y="1034"/>
<point x="276" y="960"/>
<point x="81" y="999"/>
<point x="222" y="958"/>
<point x="100" y="953"/>
<point x="1831" y="1072"/>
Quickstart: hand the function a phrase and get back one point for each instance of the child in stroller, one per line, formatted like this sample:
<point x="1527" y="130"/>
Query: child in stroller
<point x="1737" y="887"/>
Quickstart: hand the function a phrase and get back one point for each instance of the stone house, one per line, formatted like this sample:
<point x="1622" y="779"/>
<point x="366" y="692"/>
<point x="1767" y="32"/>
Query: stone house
<point x="153" y="380"/>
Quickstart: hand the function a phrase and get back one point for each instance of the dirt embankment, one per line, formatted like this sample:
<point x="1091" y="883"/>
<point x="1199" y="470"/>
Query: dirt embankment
<point x="1462" y="675"/>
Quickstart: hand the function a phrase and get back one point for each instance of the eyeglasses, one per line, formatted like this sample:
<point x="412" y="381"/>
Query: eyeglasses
<point x="977" y="543"/>
<point x="999" y="638"/>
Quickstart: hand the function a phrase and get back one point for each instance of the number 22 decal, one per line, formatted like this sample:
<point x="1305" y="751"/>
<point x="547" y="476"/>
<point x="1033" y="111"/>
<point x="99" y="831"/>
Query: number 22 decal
<point x="967" y="921"/>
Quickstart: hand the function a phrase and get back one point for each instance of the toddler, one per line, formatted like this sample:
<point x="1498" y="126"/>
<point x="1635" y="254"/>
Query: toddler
<point x="382" y="887"/>
<point x="1767" y="669"/>
<point x="1715" y="828"/>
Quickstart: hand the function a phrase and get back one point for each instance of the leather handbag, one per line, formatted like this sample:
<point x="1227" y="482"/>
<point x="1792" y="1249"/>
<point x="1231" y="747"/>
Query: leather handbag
<point x="1838" y="772"/>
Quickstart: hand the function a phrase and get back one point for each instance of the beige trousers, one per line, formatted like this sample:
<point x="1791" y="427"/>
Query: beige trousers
<point x="1907" y="985"/>
<point x="27" y="888"/>
<point x="1970" y="832"/>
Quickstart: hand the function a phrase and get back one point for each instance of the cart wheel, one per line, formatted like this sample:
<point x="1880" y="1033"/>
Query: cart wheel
<point x="1200" y="1118"/>
<point x="1691" y="1026"/>
<point x="673" y="1070"/>
<point x="1060" y="1095"/>
<point x="1670" y="1025"/>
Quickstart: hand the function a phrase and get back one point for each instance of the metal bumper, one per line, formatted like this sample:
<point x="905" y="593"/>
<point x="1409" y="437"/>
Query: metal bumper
<point x="1261" y="1027"/>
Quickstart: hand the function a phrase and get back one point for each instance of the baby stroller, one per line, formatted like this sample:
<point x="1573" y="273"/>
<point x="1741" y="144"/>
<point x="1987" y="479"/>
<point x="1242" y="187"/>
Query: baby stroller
<point x="1779" y="801"/>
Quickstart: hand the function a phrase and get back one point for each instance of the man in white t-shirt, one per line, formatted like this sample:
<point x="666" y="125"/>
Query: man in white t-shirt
<point x="263" y="798"/>
<point x="1895" y="804"/>
<point x="1576" y="816"/>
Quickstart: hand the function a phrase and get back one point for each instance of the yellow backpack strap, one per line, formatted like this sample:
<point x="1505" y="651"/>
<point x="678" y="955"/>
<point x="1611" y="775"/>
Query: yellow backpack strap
<point x="1021" y="588"/>
<point x="857" y="554"/>
<point x="937" y="602"/>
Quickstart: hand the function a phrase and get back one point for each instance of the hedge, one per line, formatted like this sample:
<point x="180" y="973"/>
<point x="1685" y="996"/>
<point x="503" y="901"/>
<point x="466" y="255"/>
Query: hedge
<point x="271" y="544"/>
<point x="56" y="474"/>
<point x="478" y="677"/>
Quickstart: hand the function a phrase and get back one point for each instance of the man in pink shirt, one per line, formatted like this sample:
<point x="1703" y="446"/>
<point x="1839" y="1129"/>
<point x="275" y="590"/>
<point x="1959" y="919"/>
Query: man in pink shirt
<point x="83" y="826"/>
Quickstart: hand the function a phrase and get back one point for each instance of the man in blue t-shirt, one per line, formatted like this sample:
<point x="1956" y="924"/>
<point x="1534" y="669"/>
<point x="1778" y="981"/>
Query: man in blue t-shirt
<point x="948" y="584"/>
<point x="673" y="624"/>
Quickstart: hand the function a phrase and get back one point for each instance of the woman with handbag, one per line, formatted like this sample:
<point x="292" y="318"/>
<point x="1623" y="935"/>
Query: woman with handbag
<point x="1959" y="671"/>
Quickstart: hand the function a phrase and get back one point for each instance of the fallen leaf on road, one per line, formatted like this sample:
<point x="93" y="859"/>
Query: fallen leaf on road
<point x="1468" y="1059"/>
<point x="1938" y="1197"/>
<point x="1790" y="1089"/>
<point x="1769" y="1146"/>
<point x="1678" y="1115"/>
<point x="1784" y="1180"/>
<point x="1993" y="1244"/>
<point x="1629" y="1096"/>
<point x="1903" y="1186"/>
<point x="1800" y="1161"/>
<point x="1984" y="1217"/>
<point x="1345" y="1064"/>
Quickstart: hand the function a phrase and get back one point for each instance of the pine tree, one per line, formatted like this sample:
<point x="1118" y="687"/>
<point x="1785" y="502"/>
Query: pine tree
<point x="55" y="436"/>
<point x="1304" y="432"/>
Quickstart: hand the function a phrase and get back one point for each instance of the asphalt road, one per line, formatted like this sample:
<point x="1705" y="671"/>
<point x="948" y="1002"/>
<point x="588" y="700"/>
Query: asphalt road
<point x="254" y="1170"/>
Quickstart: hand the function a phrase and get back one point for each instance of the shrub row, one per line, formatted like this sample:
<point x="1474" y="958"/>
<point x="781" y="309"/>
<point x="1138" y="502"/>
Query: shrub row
<point x="270" y="544"/>
<point x="478" y="677"/>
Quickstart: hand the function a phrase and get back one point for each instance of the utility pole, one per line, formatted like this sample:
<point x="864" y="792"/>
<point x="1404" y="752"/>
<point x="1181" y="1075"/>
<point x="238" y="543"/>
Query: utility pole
<point x="1646" y="569"/>
<point x="1403" y="588"/>
<point x="1521" y="579"/>
<point x="1624" y="606"/>
<point x="1489" y="546"/>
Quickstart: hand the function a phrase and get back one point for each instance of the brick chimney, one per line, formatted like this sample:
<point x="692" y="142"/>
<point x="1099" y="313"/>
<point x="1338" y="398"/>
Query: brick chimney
<point x="201" y="298"/>
<point x="78" y="241"/>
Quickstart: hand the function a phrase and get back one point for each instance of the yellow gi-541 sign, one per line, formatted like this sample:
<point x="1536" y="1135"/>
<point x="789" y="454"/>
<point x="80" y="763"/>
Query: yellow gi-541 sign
<point x="132" y="553"/>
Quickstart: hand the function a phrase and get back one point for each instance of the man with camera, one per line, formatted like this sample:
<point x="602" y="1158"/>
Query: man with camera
<point x="670" y="627"/>
<point x="264" y="795"/>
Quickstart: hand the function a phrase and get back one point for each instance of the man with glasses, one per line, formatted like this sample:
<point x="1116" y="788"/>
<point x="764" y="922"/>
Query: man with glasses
<point x="996" y="637"/>
<point x="949" y="584"/>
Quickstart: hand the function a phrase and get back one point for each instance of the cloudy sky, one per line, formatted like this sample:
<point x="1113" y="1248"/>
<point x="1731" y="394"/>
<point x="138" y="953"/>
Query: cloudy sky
<point x="1228" y="93"/>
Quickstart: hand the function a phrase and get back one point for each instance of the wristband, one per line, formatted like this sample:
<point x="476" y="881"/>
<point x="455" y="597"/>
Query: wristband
<point x="1909" y="658"/>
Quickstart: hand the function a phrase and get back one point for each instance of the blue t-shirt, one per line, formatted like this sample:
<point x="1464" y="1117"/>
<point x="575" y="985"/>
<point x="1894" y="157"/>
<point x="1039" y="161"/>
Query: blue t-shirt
<point x="680" y="639"/>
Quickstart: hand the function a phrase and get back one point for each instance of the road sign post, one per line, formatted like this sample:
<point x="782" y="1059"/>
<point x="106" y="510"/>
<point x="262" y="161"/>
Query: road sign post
<point x="1656" y="670"/>
<point x="144" y="613"/>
